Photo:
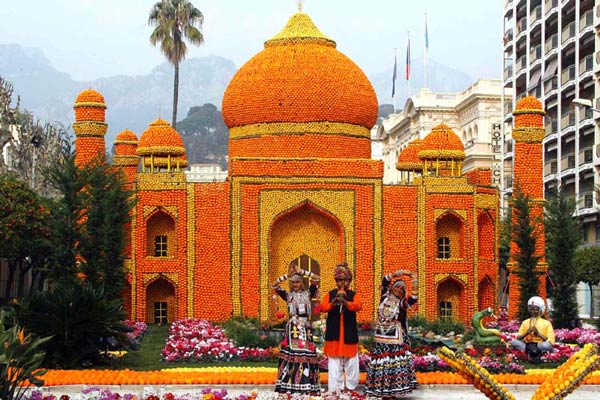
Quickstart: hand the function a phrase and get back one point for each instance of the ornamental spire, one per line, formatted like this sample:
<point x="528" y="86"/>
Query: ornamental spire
<point x="300" y="4"/>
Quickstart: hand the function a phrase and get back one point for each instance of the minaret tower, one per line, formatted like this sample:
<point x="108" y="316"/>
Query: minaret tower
<point x="89" y="126"/>
<point x="528" y="173"/>
<point x="125" y="154"/>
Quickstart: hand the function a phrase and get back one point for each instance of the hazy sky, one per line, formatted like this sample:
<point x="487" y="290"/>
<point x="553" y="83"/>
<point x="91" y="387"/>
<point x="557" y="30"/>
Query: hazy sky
<point x="95" y="38"/>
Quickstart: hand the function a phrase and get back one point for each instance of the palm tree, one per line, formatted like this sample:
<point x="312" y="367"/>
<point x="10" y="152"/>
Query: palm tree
<point x="174" y="22"/>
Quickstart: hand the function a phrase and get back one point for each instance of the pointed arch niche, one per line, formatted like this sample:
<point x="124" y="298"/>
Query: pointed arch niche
<point x="486" y="293"/>
<point x="160" y="301"/>
<point x="450" y="300"/>
<point x="160" y="235"/>
<point x="485" y="235"/>
<point x="306" y="232"/>
<point x="450" y="237"/>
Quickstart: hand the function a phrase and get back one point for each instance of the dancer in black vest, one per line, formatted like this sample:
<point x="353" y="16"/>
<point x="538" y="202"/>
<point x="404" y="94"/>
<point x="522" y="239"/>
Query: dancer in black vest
<point x="341" y="335"/>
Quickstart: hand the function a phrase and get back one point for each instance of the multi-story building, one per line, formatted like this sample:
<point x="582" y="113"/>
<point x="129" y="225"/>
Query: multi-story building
<point x="552" y="51"/>
<point x="474" y="114"/>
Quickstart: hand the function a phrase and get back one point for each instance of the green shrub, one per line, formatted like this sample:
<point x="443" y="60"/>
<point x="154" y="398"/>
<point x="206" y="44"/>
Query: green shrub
<point x="248" y="332"/>
<point x="444" y="327"/>
<point x="80" y="319"/>
<point x="418" y="321"/>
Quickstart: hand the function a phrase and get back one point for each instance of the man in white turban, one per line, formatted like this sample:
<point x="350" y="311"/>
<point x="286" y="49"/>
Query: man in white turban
<point x="535" y="329"/>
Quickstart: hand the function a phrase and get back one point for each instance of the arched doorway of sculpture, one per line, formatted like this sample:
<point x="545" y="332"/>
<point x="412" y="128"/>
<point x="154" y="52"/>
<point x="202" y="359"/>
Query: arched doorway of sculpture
<point x="160" y="301"/>
<point x="307" y="232"/>
<point x="450" y="236"/>
<point x="160" y="235"/>
<point x="451" y="300"/>
<point x="309" y="264"/>
<point x="485" y="235"/>
<point x="127" y="299"/>
<point x="486" y="293"/>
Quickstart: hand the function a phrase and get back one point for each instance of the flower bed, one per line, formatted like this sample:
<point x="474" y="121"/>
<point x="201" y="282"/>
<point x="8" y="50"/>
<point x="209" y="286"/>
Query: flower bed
<point x="199" y="340"/>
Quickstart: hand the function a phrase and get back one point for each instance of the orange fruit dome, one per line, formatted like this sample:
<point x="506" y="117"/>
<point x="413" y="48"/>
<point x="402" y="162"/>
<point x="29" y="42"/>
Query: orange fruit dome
<point x="300" y="97"/>
<point x="89" y="106"/>
<point x="126" y="143"/>
<point x="408" y="160"/>
<point x="529" y="113"/>
<point x="160" y="139"/>
<point x="442" y="144"/>
<point x="90" y="96"/>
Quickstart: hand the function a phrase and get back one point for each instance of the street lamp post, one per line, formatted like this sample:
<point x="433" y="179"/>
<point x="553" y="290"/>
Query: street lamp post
<point x="585" y="103"/>
<point x="36" y="141"/>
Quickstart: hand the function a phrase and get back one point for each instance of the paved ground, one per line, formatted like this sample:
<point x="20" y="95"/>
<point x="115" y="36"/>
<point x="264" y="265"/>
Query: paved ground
<point x="427" y="392"/>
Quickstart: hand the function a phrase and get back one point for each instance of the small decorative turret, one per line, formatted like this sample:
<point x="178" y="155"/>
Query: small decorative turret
<point x="442" y="151"/>
<point x="89" y="126"/>
<point x="125" y="154"/>
<point x="409" y="162"/>
<point x="161" y="148"/>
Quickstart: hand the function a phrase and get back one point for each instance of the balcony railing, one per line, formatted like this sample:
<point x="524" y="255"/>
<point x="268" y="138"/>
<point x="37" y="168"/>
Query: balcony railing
<point x="535" y="53"/>
<point x="567" y="119"/>
<point x="586" y="64"/>
<point x="568" y="74"/>
<point x="521" y="25"/>
<point x="586" y="20"/>
<point x="551" y="43"/>
<point x="551" y="84"/>
<point x="551" y="127"/>
<point x="508" y="71"/>
<point x="568" y="32"/>
<point x="508" y="35"/>
<point x="521" y="61"/>
<point x="550" y="4"/>
<point x="551" y="167"/>
<point x="567" y="161"/>
<point x="586" y="155"/>
<point x="586" y="200"/>
<point x="536" y="14"/>
<point x="586" y="113"/>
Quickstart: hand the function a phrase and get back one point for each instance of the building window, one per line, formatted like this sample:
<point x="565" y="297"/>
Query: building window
<point x="445" y="311"/>
<point x="444" y="247"/>
<point x="160" y="246"/>
<point x="584" y="234"/>
<point x="160" y="312"/>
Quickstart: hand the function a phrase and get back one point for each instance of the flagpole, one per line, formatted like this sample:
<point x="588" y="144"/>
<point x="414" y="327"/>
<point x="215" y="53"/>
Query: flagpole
<point x="408" y="64"/>
<point x="426" y="50"/>
<point x="394" y="82"/>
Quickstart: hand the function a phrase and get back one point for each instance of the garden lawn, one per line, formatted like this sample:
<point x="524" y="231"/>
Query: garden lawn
<point x="148" y="358"/>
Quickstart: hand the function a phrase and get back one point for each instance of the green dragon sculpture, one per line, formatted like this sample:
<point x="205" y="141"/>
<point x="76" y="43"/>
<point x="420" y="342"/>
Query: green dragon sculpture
<point x="484" y="335"/>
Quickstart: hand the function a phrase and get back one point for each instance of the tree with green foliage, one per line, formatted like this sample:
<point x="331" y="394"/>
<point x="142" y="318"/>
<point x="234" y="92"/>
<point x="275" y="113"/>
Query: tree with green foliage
<point x="24" y="233"/>
<point x="174" y="22"/>
<point x="79" y="319"/>
<point x="563" y="236"/>
<point x="89" y="220"/>
<point x="524" y="232"/>
<point x="108" y="204"/>
<point x="20" y="359"/>
<point x="504" y="251"/>
<point x="205" y="135"/>
<point x="587" y="264"/>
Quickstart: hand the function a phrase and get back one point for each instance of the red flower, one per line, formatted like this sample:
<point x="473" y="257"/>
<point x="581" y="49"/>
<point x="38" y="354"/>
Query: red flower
<point x="279" y="315"/>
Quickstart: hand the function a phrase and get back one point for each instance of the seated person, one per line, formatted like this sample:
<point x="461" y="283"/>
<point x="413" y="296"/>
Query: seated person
<point x="535" y="329"/>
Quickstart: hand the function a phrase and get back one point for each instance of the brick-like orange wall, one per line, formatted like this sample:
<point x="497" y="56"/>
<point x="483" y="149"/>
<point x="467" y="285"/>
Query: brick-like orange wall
<point x="212" y="272"/>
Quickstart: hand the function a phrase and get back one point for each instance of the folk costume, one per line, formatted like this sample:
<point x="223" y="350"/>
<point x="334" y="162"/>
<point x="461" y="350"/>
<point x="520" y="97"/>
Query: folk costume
<point x="390" y="371"/>
<point x="298" y="367"/>
<point x="341" y="334"/>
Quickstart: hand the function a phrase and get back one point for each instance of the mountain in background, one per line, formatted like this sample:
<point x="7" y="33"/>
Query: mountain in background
<point x="135" y="101"/>
<point x="440" y="79"/>
<point x="132" y="101"/>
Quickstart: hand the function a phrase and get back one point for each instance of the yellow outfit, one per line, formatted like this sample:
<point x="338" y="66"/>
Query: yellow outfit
<point x="543" y="326"/>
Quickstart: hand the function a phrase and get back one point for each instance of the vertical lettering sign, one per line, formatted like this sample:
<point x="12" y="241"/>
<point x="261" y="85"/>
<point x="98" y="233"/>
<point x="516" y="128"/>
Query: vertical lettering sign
<point x="496" y="150"/>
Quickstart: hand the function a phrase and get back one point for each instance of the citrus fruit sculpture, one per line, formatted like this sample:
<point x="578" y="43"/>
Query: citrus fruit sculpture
<point x="559" y="385"/>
